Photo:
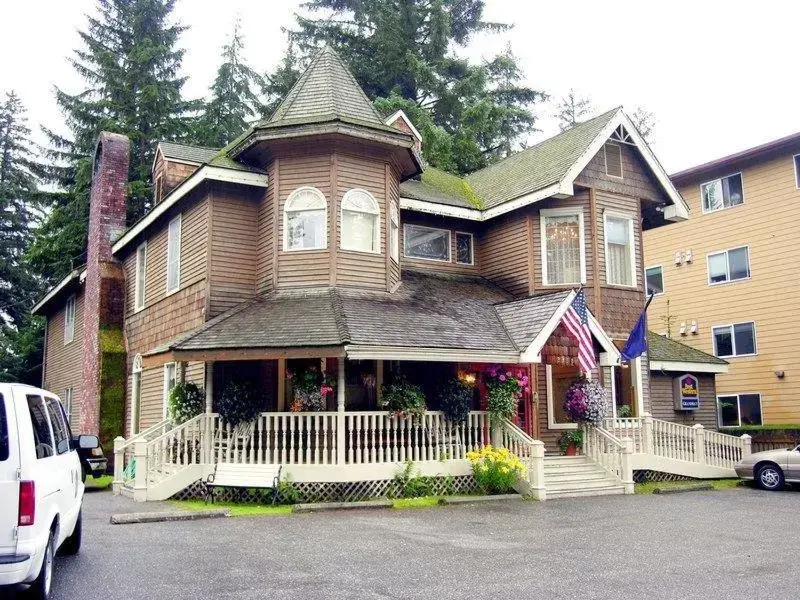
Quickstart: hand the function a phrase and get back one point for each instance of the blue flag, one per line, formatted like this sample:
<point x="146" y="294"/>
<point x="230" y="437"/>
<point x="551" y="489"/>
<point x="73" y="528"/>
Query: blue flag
<point x="637" y="340"/>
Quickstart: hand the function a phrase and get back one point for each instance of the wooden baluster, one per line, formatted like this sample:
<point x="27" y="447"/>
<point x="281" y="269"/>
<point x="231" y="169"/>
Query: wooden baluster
<point x="280" y="433"/>
<point x="373" y="451"/>
<point x="307" y="422"/>
<point x="348" y="419"/>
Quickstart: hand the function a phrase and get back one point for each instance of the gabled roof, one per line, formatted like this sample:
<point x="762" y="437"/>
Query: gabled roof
<point x="69" y="283"/>
<point x="187" y="153"/>
<point x="668" y="355"/>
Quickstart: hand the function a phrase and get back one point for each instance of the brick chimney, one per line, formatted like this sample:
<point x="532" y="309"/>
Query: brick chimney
<point x="104" y="287"/>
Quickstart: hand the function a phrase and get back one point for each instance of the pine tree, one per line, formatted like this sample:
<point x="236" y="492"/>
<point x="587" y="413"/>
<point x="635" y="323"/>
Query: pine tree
<point x="235" y="97"/>
<point x="571" y="110"/>
<point x="278" y="83"/>
<point x="130" y="65"/>
<point x="402" y="54"/>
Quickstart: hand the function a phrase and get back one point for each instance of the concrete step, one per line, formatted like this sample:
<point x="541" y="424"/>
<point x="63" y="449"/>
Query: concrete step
<point x="567" y="460"/>
<point x="560" y="469"/>
<point x="557" y="478"/>
<point x="607" y="490"/>
<point x="581" y="484"/>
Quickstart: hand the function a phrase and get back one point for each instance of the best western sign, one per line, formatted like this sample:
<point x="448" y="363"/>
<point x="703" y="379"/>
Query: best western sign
<point x="686" y="392"/>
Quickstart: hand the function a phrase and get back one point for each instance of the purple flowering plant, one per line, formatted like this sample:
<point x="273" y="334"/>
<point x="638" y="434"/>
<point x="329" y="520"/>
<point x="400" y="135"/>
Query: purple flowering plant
<point x="585" y="401"/>
<point x="505" y="386"/>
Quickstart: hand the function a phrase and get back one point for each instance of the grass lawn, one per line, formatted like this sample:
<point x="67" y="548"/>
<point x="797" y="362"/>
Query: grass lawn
<point x="719" y="484"/>
<point x="423" y="502"/>
<point x="237" y="510"/>
<point x="99" y="483"/>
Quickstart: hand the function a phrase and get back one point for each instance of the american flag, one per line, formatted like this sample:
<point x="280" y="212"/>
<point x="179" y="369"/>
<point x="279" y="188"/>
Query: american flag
<point x="576" y="321"/>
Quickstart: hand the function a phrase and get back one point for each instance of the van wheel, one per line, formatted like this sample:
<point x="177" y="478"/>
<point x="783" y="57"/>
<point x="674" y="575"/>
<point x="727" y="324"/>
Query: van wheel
<point x="72" y="545"/>
<point x="40" y="588"/>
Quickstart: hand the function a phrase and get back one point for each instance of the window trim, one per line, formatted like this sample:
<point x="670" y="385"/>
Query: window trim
<point x="376" y="233"/>
<point x="471" y="248"/>
<point x="663" y="280"/>
<point x="166" y="392"/>
<point x="733" y="340"/>
<point x="702" y="204"/>
<point x="795" y="160"/>
<point x="69" y="324"/>
<point x="605" y="159"/>
<point x="562" y="212"/>
<point x="739" y="407"/>
<point x="439" y="260"/>
<point x="631" y="241"/>
<point x="140" y="284"/>
<point x="177" y="287"/>
<point x="286" y="211"/>
<point x="728" y="266"/>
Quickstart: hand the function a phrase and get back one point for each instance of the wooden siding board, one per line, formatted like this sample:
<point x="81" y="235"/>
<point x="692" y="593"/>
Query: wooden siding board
<point x="662" y="404"/>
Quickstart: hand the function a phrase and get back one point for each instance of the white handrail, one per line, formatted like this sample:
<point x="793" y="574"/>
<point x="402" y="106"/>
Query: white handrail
<point x="517" y="441"/>
<point x="610" y="452"/>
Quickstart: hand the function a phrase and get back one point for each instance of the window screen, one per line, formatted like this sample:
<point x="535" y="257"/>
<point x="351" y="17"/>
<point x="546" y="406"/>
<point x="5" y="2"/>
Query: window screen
<point x="41" y="428"/>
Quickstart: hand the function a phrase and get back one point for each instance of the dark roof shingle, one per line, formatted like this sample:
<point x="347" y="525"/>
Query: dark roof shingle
<point x="184" y="152"/>
<point x="661" y="348"/>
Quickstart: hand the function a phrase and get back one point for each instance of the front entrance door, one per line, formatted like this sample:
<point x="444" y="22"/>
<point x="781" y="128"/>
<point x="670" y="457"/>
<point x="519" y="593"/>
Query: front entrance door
<point x="559" y="379"/>
<point x="624" y="396"/>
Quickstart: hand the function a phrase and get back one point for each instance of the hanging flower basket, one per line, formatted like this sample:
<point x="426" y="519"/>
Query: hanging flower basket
<point x="505" y="388"/>
<point x="311" y="389"/>
<point x="585" y="401"/>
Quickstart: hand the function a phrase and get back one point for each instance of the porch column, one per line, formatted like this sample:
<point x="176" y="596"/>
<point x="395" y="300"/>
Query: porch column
<point x="209" y="387"/>
<point x="340" y="389"/>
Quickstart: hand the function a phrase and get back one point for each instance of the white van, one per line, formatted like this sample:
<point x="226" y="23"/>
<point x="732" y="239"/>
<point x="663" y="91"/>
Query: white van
<point x="41" y="487"/>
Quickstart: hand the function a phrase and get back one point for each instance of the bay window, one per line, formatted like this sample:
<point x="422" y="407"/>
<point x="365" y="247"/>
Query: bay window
<point x="305" y="220"/>
<point x="427" y="243"/>
<point x="722" y="193"/>
<point x="563" y="256"/>
<point x="620" y="269"/>
<point x="360" y="222"/>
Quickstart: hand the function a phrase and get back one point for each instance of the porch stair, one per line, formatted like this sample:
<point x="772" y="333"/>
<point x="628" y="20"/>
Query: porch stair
<point x="576" y="476"/>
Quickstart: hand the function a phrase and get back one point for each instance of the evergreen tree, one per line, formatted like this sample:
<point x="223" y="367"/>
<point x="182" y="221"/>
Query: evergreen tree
<point x="571" y="110"/>
<point x="130" y="65"/>
<point x="235" y="100"/>
<point x="402" y="54"/>
<point x="278" y="83"/>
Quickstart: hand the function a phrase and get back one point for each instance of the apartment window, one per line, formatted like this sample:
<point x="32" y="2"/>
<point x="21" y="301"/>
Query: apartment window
<point x="170" y="379"/>
<point x="619" y="250"/>
<point x="729" y="265"/>
<point x="426" y="243"/>
<point x="360" y="222"/>
<point x="722" y="193"/>
<point x="563" y="256"/>
<point x="797" y="170"/>
<point x="174" y="255"/>
<point x="69" y="320"/>
<point x="394" y="233"/>
<point x="737" y="339"/>
<point x="613" y="154"/>
<point x="735" y="410"/>
<point x="136" y="393"/>
<point x="464" y="249"/>
<point x="654" y="276"/>
<point x="141" y="273"/>
<point x="305" y="220"/>
<point x="68" y="401"/>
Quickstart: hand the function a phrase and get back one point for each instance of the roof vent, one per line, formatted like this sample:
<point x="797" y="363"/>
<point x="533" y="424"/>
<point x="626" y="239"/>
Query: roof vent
<point x="613" y="154"/>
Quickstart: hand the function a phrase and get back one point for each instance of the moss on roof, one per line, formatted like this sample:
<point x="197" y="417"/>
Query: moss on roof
<point x="451" y="185"/>
<point x="660" y="348"/>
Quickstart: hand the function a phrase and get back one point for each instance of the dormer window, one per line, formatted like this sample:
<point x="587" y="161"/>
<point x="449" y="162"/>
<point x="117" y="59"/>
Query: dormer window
<point x="360" y="222"/>
<point x="305" y="220"/>
<point x="613" y="154"/>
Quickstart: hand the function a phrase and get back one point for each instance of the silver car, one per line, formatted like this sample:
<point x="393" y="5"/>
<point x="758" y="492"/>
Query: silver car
<point x="771" y="469"/>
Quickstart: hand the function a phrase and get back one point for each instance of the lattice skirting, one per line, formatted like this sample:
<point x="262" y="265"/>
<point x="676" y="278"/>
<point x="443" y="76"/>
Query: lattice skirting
<point x="344" y="491"/>
<point x="658" y="476"/>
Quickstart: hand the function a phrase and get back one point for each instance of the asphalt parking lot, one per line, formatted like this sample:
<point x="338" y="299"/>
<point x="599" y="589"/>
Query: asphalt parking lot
<point x="738" y="543"/>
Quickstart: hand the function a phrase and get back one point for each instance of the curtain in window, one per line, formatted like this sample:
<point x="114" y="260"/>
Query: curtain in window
<point x="618" y="260"/>
<point x="306" y="216"/>
<point x="562" y="235"/>
<point x="360" y="222"/>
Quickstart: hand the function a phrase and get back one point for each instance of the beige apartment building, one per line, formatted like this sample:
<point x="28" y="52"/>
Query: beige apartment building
<point x="725" y="279"/>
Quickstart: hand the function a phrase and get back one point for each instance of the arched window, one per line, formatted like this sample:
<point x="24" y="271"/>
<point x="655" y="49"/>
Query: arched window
<point x="360" y="222"/>
<point x="305" y="222"/>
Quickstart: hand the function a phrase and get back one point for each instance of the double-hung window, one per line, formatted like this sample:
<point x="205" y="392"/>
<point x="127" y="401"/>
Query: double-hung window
<point x="736" y="339"/>
<point x="174" y="255"/>
<point x="141" y="274"/>
<point x="305" y="220"/>
<point x="360" y="222"/>
<point x="69" y="320"/>
<point x="654" y="276"/>
<point x="729" y="265"/>
<point x="563" y="254"/>
<point x="620" y="261"/>
<point x="426" y="243"/>
<point x="722" y="193"/>
<point x="735" y="410"/>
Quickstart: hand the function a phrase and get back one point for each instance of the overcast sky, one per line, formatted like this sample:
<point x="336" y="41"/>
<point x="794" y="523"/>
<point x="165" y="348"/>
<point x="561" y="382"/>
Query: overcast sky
<point x="720" y="76"/>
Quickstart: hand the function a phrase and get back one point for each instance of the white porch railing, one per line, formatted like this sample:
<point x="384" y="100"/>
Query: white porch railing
<point x="530" y="451"/>
<point x="611" y="453"/>
<point x="124" y="450"/>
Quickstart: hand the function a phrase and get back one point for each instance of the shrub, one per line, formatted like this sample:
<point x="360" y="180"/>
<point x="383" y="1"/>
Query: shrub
<point x="407" y="484"/>
<point x="287" y="491"/>
<point x="585" y="401"/>
<point x="186" y="401"/>
<point x="496" y="470"/>
<point x="238" y="403"/>
<point x="403" y="399"/>
<point x="455" y="400"/>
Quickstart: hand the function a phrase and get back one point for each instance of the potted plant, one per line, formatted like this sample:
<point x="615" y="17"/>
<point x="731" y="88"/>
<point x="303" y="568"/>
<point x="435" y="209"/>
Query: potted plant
<point x="311" y="388"/>
<point x="585" y="401"/>
<point x="504" y="389"/>
<point x="571" y="442"/>
<point x="402" y="399"/>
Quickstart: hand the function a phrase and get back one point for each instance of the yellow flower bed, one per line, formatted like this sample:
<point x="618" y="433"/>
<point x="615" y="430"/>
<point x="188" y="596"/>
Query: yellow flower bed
<point x="496" y="469"/>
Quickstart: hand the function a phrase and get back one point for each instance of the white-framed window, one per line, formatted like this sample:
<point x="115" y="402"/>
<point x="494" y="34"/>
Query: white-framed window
<point x="735" y="339"/>
<point x="796" y="161"/>
<point x="724" y="192"/>
<point x="465" y="248"/>
<point x="174" y="255"/>
<point x="426" y="243"/>
<point x="620" y="255"/>
<point x="136" y="393"/>
<point x="559" y="378"/>
<point x="735" y="410"/>
<point x="69" y="320"/>
<point x="563" y="251"/>
<point x="170" y="379"/>
<point x="613" y="155"/>
<point x="141" y="276"/>
<point x="67" y="401"/>
<point x="654" y="278"/>
<point x="394" y="233"/>
<point x="729" y="265"/>
<point x="305" y="220"/>
<point x="361" y="222"/>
